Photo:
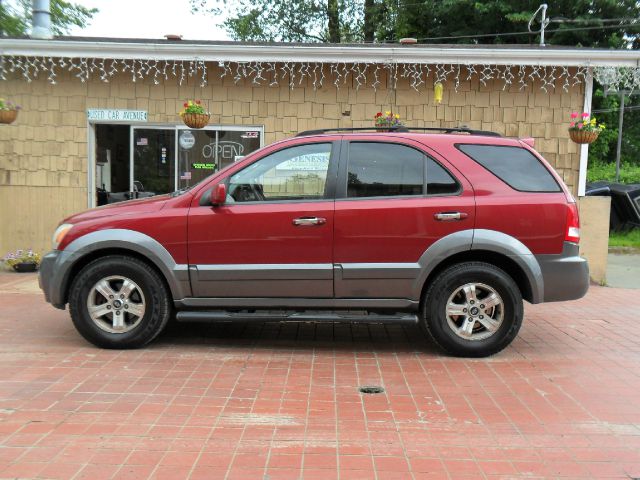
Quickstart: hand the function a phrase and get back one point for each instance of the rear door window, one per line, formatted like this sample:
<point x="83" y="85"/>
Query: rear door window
<point x="439" y="181"/>
<point x="515" y="166"/>
<point x="384" y="170"/>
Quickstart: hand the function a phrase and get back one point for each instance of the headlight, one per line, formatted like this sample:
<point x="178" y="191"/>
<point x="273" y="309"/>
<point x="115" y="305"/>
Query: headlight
<point x="59" y="234"/>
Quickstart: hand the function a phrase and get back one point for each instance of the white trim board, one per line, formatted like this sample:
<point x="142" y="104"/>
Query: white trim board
<point x="320" y="53"/>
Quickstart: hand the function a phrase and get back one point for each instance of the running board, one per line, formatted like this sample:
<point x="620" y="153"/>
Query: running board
<point x="320" y="317"/>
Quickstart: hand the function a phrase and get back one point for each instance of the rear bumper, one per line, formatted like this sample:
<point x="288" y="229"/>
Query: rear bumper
<point x="53" y="269"/>
<point x="565" y="276"/>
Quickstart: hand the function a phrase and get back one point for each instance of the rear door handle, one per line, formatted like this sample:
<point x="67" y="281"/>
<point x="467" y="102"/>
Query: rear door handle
<point x="450" y="216"/>
<point x="309" y="221"/>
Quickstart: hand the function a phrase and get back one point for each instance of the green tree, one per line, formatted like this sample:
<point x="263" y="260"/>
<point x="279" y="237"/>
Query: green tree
<point x="15" y="17"/>
<point x="607" y="110"/>
<point x="333" y="21"/>
<point x="605" y="148"/>
<point x="388" y="20"/>
<point x="431" y="20"/>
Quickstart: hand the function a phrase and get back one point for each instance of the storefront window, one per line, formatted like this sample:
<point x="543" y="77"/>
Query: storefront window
<point x="139" y="161"/>
<point x="203" y="152"/>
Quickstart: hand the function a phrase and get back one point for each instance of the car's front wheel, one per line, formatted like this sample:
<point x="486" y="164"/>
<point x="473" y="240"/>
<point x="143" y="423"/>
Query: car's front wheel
<point x="472" y="309"/>
<point x="119" y="302"/>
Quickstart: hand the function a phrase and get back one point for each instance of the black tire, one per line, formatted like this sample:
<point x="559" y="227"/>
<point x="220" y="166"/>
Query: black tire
<point x="447" y="283"/>
<point x="156" y="296"/>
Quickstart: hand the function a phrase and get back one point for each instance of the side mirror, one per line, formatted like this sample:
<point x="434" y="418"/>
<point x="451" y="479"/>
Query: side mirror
<point x="219" y="195"/>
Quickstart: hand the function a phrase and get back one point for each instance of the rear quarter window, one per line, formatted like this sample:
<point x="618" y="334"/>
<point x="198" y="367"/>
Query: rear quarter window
<point x="515" y="166"/>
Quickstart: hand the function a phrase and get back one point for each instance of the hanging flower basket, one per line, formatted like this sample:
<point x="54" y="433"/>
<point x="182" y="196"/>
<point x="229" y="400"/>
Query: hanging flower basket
<point x="194" y="115"/>
<point x="583" y="136"/>
<point x="8" y="116"/>
<point x="8" y="111"/>
<point x="196" y="120"/>
<point x="583" y="128"/>
<point x="388" y="122"/>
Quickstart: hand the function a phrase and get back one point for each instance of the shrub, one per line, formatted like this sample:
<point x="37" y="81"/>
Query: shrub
<point x="607" y="171"/>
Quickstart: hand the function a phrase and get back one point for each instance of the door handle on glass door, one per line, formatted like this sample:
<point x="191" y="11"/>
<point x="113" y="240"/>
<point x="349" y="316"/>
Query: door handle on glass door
<point x="309" y="221"/>
<point x="450" y="216"/>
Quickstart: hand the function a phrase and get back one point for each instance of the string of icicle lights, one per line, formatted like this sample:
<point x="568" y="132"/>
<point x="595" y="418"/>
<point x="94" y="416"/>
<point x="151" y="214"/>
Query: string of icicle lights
<point x="319" y="75"/>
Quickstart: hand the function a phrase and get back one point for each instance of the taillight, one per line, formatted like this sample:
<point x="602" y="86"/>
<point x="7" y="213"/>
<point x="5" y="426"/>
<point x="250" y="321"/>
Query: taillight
<point x="573" y="224"/>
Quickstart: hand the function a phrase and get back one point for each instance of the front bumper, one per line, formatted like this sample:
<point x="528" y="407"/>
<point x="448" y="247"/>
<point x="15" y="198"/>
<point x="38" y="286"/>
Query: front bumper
<point x="52" y="277"/>
<point x="565" y="276"/>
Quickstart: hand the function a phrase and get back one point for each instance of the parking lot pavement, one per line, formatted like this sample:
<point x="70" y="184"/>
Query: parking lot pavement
<point x="623" y="270"/>
<point x="281" y="401"/>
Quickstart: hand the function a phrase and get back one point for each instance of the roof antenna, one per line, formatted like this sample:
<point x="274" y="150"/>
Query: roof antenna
<point x="544" y="21"/>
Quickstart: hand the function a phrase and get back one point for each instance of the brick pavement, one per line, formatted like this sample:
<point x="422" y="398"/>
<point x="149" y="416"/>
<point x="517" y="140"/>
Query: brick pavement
<point x="281" y="401"/>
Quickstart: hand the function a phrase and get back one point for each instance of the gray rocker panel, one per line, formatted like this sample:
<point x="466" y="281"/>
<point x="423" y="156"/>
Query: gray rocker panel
<point x="302" y="303"/>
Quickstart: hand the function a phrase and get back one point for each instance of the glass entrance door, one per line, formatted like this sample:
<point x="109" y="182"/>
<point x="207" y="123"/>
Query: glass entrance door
<point x="153" y="162"/>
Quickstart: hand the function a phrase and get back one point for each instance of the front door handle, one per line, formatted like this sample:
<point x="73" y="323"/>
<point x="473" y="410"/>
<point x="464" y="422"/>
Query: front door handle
<point x="309" y="221"/>
<point x="450" y="216"/>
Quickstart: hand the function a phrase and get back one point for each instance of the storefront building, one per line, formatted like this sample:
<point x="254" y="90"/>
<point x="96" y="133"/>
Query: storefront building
<point x="99" y="120"/>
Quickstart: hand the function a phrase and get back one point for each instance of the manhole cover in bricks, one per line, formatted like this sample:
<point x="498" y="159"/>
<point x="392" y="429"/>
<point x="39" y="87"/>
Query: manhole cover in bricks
<point x="371" y="389"/>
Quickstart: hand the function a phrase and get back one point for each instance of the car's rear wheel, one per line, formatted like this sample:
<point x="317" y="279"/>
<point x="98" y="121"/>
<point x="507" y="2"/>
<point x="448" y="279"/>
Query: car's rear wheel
<point x="119" y="302"/>
<point x="472" y="309"/>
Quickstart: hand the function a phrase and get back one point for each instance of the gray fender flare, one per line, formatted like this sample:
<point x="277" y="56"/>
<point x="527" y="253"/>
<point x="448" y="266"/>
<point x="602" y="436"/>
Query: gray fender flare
<point x="177" y="276"/>
<point x="479" y="239"/>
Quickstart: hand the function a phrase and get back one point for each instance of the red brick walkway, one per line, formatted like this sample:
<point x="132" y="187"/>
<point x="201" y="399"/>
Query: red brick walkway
<point x="281" y="401"/>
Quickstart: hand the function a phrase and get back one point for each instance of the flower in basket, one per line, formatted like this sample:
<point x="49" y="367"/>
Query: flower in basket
<point x="583" y="128"/>
<point x="8" y="105"/>
<point x="21" y="256"/>
<point x="387" y="120"/>
<point x="585" y="122"/>
<point x="8" y="111"/>
<point x="194" y="115"/>
<point x="193" y="106"/>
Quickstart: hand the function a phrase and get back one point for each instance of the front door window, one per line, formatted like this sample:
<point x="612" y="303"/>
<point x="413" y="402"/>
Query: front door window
<point x="296" y="173"/>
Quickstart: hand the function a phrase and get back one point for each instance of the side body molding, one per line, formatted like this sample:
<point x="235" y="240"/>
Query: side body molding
<point x="177" y="276"/>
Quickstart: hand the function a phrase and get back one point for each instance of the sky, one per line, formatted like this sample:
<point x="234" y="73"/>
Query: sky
<point x="149" y="19"/>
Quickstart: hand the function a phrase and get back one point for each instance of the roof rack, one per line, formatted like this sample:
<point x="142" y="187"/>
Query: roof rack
<point x="402" y="129"/>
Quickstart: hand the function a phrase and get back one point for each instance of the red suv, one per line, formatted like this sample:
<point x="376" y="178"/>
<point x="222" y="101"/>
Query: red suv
<point x="450" y="230"/>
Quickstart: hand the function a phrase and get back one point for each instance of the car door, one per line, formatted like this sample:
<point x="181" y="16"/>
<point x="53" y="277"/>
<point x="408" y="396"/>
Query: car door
<point x="393" y="201"/>
<point x="274" y="235"/>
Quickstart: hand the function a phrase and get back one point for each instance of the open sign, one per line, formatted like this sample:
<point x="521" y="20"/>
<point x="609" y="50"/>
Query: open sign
<point x="225" y="149"/>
